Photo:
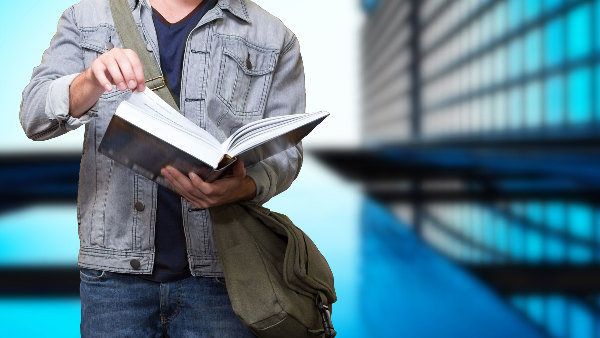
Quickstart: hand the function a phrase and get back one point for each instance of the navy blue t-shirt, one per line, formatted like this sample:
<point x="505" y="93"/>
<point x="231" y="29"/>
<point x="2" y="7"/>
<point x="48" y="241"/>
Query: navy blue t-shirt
<point x="170" y="260"/>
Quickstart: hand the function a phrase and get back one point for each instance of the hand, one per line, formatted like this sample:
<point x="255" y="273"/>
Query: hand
<point x="120" y="67"/>
<point x="229" y="189"/>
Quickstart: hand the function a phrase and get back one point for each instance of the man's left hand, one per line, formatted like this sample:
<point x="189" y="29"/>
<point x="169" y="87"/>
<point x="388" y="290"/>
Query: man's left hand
<point x="229" y="189"/>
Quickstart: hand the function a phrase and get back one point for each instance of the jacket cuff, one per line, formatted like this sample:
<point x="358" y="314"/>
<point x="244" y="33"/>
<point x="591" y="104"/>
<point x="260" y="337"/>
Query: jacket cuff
<point x="57" y="104"/>
<point x="262" y="180"/>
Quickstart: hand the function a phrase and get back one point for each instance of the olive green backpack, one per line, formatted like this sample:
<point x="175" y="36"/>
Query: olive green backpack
<point x="278" y="282"/>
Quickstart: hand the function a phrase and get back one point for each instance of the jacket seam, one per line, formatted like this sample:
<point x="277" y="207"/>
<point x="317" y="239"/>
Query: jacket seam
<point x="289" y="45"/>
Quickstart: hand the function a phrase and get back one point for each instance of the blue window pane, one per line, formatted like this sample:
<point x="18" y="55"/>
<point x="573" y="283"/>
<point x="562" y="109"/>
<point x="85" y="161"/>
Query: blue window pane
<point x="554" y="101"/>
<point x="555" y="215"/>
<point x="500" y="111"/>
<point x="552" y="4"/>
<point x="515" y="58"/>
<point x="555" y="250"/>
<point x="500" y="19"/>
<point x="535" y="308"/>
<point x="516" y="108"/>
<point x="501" y="236"/>
<point x="555" y="220"/>
<point x="581" y="221"/>
<point x="532" y="9"/>
<point x="581" y="320"/>
<point x="515" y="12"/>
<point x="554" y="42"/>
<point x="556" y="310"/>
<point x="533" y="47"/>
<point x="500" y="64"/>
<point x="533" y="111"/>
<point x="517" y="241"/>
<point x="597" y="77"/>
<point x="597" y="227"/>
<point x="535" y="246"/>
<point x="580" y="254"/>
<point x="579" y="96"/>
<point x="489" y="227"/>
<point x="535" y="212"/>
<point x="596" y="17"/>
<point x="579" y="32"/>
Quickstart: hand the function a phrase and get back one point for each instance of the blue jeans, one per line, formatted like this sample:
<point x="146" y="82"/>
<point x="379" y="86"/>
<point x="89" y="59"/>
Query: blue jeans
<point x="118" y="305"/>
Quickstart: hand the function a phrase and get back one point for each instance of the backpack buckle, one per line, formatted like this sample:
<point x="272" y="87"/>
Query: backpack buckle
<point x="326" y="318"/>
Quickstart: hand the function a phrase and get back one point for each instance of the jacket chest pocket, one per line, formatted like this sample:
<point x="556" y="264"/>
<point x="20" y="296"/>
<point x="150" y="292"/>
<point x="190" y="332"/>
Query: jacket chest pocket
<point x="95" y="41"/>
<point x="245" y="75"/>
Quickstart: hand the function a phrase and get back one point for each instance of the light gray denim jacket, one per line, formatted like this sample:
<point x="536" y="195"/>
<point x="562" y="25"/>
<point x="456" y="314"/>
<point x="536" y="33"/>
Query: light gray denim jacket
<point x="219" y="91"/>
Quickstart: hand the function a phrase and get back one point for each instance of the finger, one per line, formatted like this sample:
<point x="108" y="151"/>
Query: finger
<point x="115" y="72"/>
<point x="99" y="71"/>
<point x="177" y="185"/>
<point x="126" y="69"/>
<point x="201" y="186"/>
<point x="137" y="67"/>
<point x="181" y="179"/>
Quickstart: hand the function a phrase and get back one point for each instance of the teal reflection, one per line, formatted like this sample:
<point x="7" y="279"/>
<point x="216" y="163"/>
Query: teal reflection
<point x="39" y="235"/>
<point x="29" y="317"/>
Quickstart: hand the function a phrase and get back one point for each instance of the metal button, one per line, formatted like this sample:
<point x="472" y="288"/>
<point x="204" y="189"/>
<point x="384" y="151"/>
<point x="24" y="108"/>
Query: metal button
<point x="149" y="47"/>
<point x="135" y="264"/>
<point x="139" y="206"/>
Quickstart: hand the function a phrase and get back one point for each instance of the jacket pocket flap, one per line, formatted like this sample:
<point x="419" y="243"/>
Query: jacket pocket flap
<point x="96" y="39"/>
<point x="251" y="59"/>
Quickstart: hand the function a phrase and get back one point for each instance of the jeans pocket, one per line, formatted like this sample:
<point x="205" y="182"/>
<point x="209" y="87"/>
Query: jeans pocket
<point x="92" y="276"/>
<point x="245" y="76"/>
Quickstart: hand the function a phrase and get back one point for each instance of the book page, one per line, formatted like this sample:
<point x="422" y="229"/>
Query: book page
<point x="153" y="105"/>
<point x="169" y="127"/>
<point x="255" y="134"/>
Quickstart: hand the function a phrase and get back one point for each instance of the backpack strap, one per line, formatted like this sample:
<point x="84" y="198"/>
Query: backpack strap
<point x="131" y="38"/>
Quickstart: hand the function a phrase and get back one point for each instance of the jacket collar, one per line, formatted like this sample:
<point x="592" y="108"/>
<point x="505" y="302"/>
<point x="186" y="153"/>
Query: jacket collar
<point x="235" y="7"/>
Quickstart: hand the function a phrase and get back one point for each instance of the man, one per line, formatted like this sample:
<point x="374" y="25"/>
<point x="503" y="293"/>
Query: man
<point x="149" y="267"/>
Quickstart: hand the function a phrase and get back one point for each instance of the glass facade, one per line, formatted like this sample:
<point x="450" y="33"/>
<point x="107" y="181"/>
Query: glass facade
<point x="503" y="70"/>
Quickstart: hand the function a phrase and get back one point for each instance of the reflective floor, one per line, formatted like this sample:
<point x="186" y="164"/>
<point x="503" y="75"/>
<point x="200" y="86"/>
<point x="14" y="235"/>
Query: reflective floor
<point x="388" y="283"/>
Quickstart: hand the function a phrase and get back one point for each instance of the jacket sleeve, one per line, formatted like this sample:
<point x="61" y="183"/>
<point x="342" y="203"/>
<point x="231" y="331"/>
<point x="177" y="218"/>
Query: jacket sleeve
<point x="45" y="107"/>
<point x="287" y="96"/>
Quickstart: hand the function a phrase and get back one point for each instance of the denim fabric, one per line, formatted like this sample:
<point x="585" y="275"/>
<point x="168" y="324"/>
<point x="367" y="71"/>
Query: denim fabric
<point x="117" y="305"/>
<point x="240" y="64"/>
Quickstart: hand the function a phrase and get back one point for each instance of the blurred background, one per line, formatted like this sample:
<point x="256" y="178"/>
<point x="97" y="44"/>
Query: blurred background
<point x="454" y="190"/>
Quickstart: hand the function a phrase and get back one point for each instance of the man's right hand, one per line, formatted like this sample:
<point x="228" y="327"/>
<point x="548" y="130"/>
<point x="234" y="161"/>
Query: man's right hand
<point x="120" y="67"/>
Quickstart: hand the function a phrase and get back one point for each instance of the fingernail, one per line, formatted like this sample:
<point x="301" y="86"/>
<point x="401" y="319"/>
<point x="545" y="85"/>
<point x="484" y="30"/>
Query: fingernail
<point x="122" y="86"/>
<point x="141" y="87"/>
<point x="108" y="87"/>
<point x="132" y="84"/>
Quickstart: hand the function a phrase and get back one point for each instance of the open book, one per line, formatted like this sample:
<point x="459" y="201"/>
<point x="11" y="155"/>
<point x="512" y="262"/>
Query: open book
<point x="146" y="134"/>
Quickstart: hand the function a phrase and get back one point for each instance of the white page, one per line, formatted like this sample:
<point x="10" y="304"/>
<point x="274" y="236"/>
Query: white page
<point x="152" y="104"/>
<point x="154" y="123"/>
<point x="262" y="134"/>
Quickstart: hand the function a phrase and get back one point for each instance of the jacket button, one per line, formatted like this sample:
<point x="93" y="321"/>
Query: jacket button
<point x="135" y="264"/>
<point x="139" y="206"/>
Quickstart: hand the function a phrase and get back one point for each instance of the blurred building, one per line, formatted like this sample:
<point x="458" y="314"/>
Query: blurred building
<point x="480" y="128"/>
